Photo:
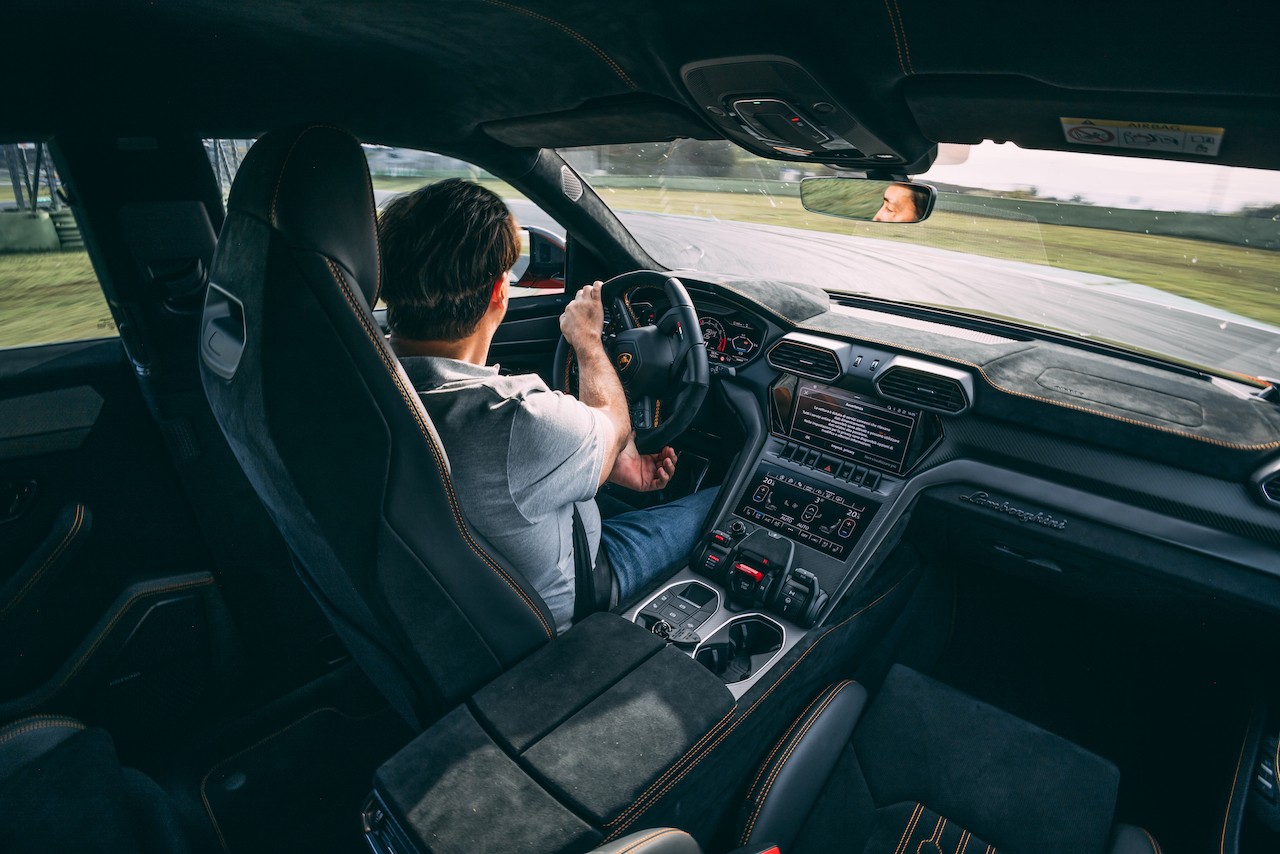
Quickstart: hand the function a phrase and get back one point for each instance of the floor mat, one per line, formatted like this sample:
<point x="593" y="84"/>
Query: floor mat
<point x="1166" y="703"/>
<point x="301" y="788"/>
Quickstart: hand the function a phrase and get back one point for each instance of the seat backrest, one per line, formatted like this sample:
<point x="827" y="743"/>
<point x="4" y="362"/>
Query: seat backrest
<point x="334" y="439"/>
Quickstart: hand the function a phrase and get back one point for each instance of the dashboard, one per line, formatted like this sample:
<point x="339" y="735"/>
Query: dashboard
<point x="1027" y="446"/>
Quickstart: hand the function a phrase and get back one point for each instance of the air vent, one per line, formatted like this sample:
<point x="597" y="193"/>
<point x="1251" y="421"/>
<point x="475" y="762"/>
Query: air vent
<point x="570" y="184"/>
<point x="805" y="360"/>
<point x="1271" y="489"/>
<point x="923" y="389"/>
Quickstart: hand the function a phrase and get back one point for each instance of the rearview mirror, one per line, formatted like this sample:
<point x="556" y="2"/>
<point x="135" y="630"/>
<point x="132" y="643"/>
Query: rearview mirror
<point x="867" y="200"/>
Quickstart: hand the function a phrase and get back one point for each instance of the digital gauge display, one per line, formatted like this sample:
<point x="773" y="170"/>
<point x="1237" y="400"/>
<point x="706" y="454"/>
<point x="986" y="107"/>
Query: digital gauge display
<point x="729" y="340"/>
<point x="811" y="513"/>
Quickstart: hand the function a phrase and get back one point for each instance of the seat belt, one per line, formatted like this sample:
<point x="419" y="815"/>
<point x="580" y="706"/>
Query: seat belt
<point x="593" y="583"/>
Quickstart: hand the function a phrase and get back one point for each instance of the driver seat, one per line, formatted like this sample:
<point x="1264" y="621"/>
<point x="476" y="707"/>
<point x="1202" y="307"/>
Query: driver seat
<point x="334" y="439"/>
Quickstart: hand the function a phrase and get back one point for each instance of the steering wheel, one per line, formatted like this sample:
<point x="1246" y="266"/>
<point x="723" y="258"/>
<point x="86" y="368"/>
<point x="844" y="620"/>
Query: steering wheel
<point x="663" y="367"/>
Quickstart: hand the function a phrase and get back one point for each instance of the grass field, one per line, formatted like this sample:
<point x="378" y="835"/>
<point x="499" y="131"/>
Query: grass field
<point x="55" y="296"/>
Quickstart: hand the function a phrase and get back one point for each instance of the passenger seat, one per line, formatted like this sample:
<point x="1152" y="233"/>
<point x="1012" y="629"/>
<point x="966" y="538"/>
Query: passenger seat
<point x="928" y="769"/>
<point x="924" y="770"/>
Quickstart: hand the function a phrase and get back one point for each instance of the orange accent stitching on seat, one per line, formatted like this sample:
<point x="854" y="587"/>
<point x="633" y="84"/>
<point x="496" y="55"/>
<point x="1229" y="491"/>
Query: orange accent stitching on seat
<point x="991" y="849"/>
<point x="41" y="722"/>
<point x="897" y="42"/>
<point x="638" y="806"/>
<point x="935" y="837"/>
<point x="778" y="745"/>
<point x="567" y="30"/>
<point x="415" y="409"/>
<point x="795" y="742"/>
<point x="964" y="842"/>
<point x="909" y="829"/>
<point x="657" y="411"/>
<point x="124" y="609"/>
<point x="1226" y="820"/>
<point x="1155" y="846"/>
<point x="67" y="538"/>
<point x="661" y="833"/>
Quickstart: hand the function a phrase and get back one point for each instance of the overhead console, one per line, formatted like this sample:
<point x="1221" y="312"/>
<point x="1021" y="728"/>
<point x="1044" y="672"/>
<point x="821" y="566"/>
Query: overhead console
<point x="772" y="106"/>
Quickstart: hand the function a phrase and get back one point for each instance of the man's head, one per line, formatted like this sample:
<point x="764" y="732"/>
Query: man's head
<point x="902" y="203"/>
<point x="445" y="249"/>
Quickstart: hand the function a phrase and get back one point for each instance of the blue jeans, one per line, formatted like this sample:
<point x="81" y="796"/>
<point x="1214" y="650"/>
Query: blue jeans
<point x="645" y="545"/>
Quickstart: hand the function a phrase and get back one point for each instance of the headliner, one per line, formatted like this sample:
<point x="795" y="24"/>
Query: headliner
<point x="454" y="75"/>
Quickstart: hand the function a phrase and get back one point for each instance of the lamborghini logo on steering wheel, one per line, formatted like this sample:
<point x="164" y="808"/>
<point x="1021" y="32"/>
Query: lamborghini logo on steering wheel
<point x="624" y="361"/>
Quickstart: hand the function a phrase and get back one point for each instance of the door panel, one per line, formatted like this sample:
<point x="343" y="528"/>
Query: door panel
<point x="98" y="537"/>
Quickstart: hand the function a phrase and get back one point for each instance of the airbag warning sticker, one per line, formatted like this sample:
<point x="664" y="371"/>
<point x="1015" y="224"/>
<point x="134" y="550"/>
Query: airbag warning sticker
<point x="1143" y="136"/>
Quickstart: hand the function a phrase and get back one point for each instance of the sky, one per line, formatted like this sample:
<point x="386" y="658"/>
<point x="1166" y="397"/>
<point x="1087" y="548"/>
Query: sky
<point x="1109" y="180"/>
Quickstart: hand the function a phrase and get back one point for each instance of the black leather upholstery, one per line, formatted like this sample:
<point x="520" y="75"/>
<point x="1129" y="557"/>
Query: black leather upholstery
<point x="334" y="439"/>
<point x="796" y="770"/>
<point x="928" y="767"/>
<point x="658" y="840"/>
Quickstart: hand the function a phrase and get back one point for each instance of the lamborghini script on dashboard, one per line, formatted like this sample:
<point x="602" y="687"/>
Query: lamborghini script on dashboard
<point x="983" y="499"/>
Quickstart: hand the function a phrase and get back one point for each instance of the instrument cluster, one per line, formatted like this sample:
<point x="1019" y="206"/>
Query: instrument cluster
<point x="733" y="337"/>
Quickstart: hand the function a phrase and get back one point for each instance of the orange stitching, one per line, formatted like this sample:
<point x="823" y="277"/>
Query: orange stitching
<point x="124" y="609"/>
<point x="70" y="535"/>
<point x="935" y="838"/>
<point x="435" y="451"/>
<point x="963" y="844"/>
<point x="1226" y="820"/>
<point x="42" y="722"/>
<point x="906" y="46"/>
<point x="661" y="833"/>
<point x="778" y="745"/>
<point x="910" y="828"/>
<point x="1155" y="846"/>
<point x="991" y="849"/>
<point x="637" y="804"/>
<point x="773" y="777"/>
<point x="617" y="69"/>
<point x="896" y="41"/>
<point x="657" y="411"/>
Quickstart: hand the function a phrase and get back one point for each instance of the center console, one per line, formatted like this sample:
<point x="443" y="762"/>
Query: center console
<point x="790" y="539"/>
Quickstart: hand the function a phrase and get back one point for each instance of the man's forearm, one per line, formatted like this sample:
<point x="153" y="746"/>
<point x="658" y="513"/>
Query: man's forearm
<point x="598" y="387"/>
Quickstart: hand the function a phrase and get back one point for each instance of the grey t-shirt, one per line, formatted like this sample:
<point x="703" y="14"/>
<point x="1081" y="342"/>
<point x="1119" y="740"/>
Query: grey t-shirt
<point x="520" y="456"/>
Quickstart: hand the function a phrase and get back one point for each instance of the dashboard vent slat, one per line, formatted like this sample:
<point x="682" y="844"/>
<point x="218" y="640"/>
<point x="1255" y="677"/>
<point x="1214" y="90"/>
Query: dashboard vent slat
<point x="923" y="389"/>
<point x="805" y="360"/>
<point x="1271" y="489"/>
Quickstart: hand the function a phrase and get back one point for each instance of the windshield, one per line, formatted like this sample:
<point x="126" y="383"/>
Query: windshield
<point x="1180" y="260"/>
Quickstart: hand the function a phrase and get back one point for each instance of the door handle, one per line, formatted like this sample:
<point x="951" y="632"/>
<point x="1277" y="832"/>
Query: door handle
<point x="16" y="498"/>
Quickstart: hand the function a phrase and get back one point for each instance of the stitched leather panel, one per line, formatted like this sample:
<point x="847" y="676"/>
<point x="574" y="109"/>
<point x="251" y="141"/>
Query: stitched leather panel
<point x="908" y="828"/>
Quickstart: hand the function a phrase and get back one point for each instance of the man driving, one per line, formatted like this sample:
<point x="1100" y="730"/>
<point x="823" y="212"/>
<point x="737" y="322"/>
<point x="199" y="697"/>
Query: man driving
<point x="522" y="456"/>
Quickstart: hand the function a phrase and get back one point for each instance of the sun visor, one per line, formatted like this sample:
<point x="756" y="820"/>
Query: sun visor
<point x="1241" y="130"/>
<point x="611" y="121"/>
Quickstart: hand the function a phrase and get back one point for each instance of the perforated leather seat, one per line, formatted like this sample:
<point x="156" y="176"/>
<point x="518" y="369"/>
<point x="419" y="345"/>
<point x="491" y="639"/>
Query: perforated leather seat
<point x="926" y="768"/>
<point x="334" y="440"/>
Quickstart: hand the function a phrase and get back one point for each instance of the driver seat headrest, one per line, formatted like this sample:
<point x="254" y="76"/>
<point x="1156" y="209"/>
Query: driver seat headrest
<point x="311" y="184"/>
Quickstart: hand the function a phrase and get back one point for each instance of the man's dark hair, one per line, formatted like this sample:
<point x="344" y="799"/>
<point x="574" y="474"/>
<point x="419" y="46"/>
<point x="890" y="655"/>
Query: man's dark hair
<point x="443" y="247"/>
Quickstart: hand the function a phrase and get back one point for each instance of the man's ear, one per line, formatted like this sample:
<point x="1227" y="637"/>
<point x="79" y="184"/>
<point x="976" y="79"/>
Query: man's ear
<point x="499" y="295"/>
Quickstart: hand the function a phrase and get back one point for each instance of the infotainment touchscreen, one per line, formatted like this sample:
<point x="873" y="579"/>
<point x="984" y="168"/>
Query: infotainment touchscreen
<point x="851" y="426"/>
<point x="811" y="513"/>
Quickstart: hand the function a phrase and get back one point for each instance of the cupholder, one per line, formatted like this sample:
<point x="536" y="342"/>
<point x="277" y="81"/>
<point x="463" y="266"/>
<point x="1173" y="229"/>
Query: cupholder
<point x="740" y="648"/>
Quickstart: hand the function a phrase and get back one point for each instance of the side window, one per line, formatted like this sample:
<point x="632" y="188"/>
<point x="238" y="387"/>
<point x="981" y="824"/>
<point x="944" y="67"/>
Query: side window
<point x="48" y="289"/>
<point x="540" y="269"/>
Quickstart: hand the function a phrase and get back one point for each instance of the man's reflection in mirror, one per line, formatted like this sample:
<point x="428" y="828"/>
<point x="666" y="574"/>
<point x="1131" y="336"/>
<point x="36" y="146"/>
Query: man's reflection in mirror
<point x="902" y="203"/>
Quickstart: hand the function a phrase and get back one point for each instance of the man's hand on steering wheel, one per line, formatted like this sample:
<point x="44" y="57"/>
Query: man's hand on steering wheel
<point x="662" y="367"/>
